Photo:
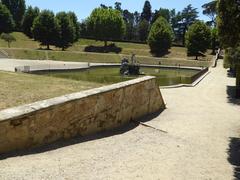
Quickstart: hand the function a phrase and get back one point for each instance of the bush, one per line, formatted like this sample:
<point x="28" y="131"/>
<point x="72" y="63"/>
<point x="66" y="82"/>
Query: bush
<point x="160" y="37"/>
<point x="198" y="39"/>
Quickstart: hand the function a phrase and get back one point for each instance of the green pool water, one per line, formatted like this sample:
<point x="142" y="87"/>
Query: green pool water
<point x="110" y="75"/>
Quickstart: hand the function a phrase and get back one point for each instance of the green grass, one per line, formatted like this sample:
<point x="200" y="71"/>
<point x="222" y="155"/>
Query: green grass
<point x="18" y="89"/>
<point x="25" y="48"/>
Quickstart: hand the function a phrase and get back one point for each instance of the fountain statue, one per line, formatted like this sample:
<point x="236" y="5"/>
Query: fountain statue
<point x="131" y="68"/>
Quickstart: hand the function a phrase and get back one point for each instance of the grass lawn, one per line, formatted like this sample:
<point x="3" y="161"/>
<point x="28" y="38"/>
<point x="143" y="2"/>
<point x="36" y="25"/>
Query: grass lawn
<point x="25" y="48"/>
<point x="18" y="89"/>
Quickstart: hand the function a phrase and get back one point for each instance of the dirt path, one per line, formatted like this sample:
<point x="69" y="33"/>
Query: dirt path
<point x="201" y="122"/>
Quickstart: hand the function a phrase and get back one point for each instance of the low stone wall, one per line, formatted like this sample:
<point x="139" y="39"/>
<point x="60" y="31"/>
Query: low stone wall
<point x="81" y="114"/>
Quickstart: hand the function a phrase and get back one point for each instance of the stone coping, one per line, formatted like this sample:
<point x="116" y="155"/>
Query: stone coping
<point x="12" y="113"/>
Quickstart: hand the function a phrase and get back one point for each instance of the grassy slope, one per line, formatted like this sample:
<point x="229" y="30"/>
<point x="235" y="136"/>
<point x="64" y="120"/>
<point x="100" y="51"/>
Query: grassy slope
<point x="25" y="48"/>
<point x="17" y="89"/>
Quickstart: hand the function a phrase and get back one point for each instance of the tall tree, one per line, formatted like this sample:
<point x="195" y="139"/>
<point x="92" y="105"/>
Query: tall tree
<point x="198" y="39"/>
<point x="147" y="12"/>
<point x="74" y="19"/>
<point x="29" y="16"/>
<point x="165" y="13"/>
<point x="106" y="24"/>
<point x="143" y="30"/>
<point x="228" y="29"/>
<point x="129" y="20"/>
<point x="45" y="28"/>
<point x="17" y="9"/>
<point x="160" y="37"/>
<point x="210" y="10"/>
<point x="118" y="6"/>
<point x="189" y="16"/>
<point x="6" y="20"/>
<point x="66" y="30"/>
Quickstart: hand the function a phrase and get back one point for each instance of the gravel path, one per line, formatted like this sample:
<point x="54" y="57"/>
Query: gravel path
<point x="201" y="123"/>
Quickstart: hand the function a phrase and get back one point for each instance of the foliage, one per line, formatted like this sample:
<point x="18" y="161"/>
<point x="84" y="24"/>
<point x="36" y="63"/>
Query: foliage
<point x="231" y="58"/>
<point x="8" y="38"/>
<point x="66" y="30"/>
<point x="29" y="16"/>
<point x="17" y="9"/>
<point x="160" y="36"/>
<point x="163" y="13"/>
<point x="229" y="23"/>
<point x="147" y="12"/>
<point x="143" y="30"/>
<point x="129" y="21"/>
<point x="198" y="38"/>
<point x="189" y="16"/>
<point x="106" y="24"/>
<point x="74" y="19"/>
<point x="210" y="10"/>
<point x="6" y="20"/>
<point x="214" y="39"/>
<point x="45" y="28"/>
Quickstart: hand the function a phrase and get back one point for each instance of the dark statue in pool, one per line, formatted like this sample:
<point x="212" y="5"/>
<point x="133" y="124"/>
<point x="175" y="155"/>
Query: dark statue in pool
<point x="132" y="68"/>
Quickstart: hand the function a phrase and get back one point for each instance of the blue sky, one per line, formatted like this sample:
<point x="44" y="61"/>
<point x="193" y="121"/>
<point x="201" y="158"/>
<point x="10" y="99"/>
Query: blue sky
<point x="83" y="8"/>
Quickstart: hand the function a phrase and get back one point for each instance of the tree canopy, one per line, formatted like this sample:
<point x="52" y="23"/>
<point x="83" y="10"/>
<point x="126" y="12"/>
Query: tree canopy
<point x="29" y="16"/>
<point x="147" y="11"/>
<point x="6" y="20"/>
<point x="8" y="38"/>
<point x="45" y="28"/>
<point x="210" y="10"/>
<point x="17" y="9"/>
<point x="160" y="37"/>
<point x="66" y="30"/>
<point x="198" y="38"/>
<point x="106" y="24"/>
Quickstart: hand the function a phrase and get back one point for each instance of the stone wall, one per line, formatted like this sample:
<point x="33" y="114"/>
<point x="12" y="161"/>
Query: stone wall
<point x="81" y="114"/>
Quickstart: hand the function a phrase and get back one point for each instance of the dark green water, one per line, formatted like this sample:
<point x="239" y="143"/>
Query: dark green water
<point x="107" y="75"/>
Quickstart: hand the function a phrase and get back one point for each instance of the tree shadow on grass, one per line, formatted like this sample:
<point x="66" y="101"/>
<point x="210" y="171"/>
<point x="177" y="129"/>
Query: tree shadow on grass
<point x="234" y="156"/>
<point x="231" y="92"/>
<point x="161" y="54"/>
<point x="80" y="139"/>
<point x="104" y="49"/>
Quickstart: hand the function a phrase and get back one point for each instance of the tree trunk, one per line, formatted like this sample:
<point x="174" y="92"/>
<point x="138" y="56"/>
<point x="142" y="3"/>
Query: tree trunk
<point x="238" y="81"/>
<point x="48" y="47"/>
<point x="196" y="57"/>
<point x="105" y="43"/>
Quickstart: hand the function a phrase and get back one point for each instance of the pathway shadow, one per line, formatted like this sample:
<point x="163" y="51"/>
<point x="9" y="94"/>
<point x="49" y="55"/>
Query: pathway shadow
<point x="231" y="92"/>
<point x="104" y="49"/>
<point x="63" y="143"/>
<point x="234" y="156"/>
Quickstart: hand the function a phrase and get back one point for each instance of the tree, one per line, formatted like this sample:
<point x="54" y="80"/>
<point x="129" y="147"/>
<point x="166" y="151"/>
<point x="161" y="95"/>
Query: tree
<point x="228" y="22"/>
<point x="17" y="9"/>
<point x="8" y="38"/>
<point x="198" y="39"/>
<point x="189" y="16"/>
<point x="106" y="24"/>
<point x="147" y="12"/>
<point x="6" y="20"/>
<point x="45" y="28"/>
<point x="163" y="13"/>
<point x="160" y="37"/>
<point x="210" y="10"/>
<point x="66" y="30"/>
<point x="129" y="21"/>
<point x="214" y="39"/>
<point x="29" y="16"/>
<point x="143" y="30"/>
<point x="118" y="6"/>
<point x="76" y="24"/>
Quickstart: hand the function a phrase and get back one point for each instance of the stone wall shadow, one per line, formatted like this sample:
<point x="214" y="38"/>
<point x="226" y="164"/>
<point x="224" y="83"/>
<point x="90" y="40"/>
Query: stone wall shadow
<point x="234" y="156"/>
<point x="80" y="139"/>
<point x="231" y="92"/>
<point x="111" y="48"/>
